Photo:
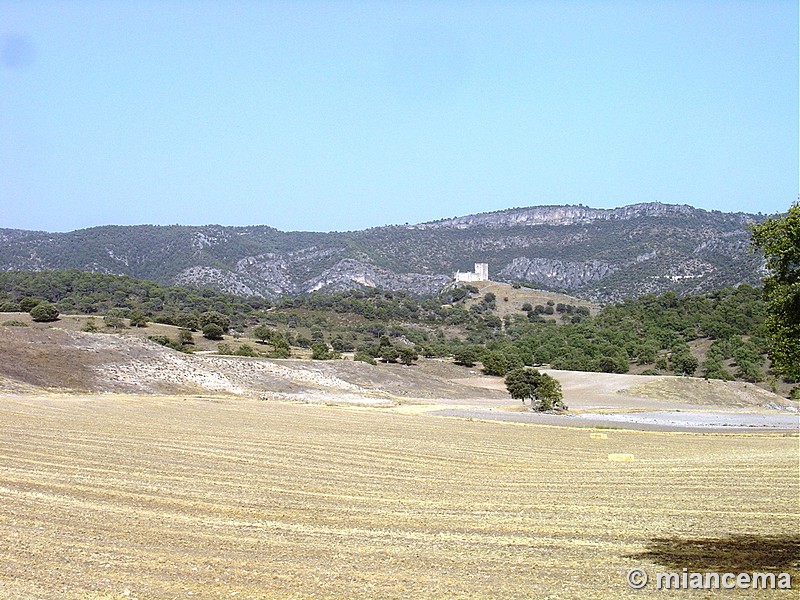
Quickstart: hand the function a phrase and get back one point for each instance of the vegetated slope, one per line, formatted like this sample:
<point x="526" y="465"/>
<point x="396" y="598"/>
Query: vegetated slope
<point x="599" y="254"/>
<point x="151" y="497"/>
<point x="355" y="316"/>
<point x="659" y="333"/>
<point x="719" y="335"/>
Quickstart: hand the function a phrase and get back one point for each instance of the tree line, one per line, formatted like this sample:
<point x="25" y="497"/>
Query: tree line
<point x="657" y="333"/>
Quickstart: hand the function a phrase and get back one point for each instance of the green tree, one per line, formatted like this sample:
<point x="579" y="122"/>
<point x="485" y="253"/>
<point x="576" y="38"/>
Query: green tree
<point x="388" y="354"/>
<point x="466" y="356"/>
<point x="212" y="331"/>
<point x="713" y="369"/>
<point x="549" y="393"/>
<point x="114" y="320"/>
<point x="364" y="357"/>
<point x="138" y="318"/>
<point x="185" y="337"/>
<point x="779" y="239"/>
<point x="541" y="389"/>
<point x="27" y="303"/>
<point x="684" y="363"/>
<point x="280" y="345"/>
<point x="522" y="383"/>
<point x="646" y="354"/>
<point x="320" y="351"/>
<point x="341" y="345"/>
<point x="494" y="363"/>
<point x="190" y="322"/>
<point x="44" y="312"/>
<point x="408" y="355"/>
<point x="607" y="364"/>
<point x="246" y="350"/>
<point x="749" y="371"/>
<point x="262" y="333"/>
<point x="217" y="318"/>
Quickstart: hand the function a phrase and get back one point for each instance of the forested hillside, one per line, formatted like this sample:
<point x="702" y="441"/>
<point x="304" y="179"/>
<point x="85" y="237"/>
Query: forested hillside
<point x="718" y="335"/>
<point x="598" y="254"/>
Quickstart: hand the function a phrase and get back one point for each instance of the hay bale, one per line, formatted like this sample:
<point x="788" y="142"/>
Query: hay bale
<point x="598" y="436"/>
<point x="620" y="457"/>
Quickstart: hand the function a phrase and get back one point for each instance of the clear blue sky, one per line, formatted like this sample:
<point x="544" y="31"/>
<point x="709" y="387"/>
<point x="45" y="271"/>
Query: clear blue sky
<point x="344" y="115"/>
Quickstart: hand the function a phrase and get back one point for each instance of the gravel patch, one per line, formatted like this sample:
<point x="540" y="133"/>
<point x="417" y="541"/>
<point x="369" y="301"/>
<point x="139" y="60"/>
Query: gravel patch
<point x="642" y="421"/>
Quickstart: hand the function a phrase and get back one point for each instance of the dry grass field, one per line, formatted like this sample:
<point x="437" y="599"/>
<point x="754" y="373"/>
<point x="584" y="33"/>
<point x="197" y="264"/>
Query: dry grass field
<point x="114" y="496"/>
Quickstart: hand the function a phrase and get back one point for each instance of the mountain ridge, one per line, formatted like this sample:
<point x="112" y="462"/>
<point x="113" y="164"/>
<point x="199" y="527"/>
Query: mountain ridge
<point x="600" y="254"/>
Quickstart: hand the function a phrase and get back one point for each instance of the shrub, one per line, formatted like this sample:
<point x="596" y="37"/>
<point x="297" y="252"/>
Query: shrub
<point x="494" y="363"/>
<point x="44" y="312"/>
<point x="212" y="331"/>
<point x="281" y="352"/>
<point x="185" y="336"/>
<point x="320" y="351"/>
<point x="364" y="357"/>
<point x="114" y="320"/>
<point x="466" y="356"/>
<point x="138" y="319"/>
<point x="90" y="326"/>
<point x="28" y="303"/>
<point x="408" y="355"/>
<point x="164" y="341"/>
<point x="246" y="350"/>
<point x="215" y="318"/>
<point x="14" y="323"/>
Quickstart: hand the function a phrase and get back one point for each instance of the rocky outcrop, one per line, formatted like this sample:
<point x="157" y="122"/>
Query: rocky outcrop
<point x="269" y="276"/>
<point x="556" y="273"/>
<point x="556" y="215"/>
<point x="350" y="273"/>
<point x="218" y="279"/>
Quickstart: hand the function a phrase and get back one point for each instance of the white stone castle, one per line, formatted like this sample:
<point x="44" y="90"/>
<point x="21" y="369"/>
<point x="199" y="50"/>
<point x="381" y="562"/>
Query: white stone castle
<point x="481" y="274"/>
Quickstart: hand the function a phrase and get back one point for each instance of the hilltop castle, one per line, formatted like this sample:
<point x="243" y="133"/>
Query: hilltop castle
<point x="481" y="274"/>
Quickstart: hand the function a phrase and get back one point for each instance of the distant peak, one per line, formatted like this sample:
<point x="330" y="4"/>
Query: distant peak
<point x="557" y="215"/>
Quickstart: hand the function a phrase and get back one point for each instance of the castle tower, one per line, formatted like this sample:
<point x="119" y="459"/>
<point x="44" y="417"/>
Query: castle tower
<point x="481" y="273"/>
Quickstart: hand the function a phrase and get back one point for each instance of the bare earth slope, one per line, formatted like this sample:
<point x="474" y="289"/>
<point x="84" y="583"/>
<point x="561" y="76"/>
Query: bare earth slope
<point x="58" y="360"/>
<point x="68" y="360"/>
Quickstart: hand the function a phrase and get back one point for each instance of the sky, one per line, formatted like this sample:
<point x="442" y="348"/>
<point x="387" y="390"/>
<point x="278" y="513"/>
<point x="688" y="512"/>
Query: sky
<point x="337" y="115"/>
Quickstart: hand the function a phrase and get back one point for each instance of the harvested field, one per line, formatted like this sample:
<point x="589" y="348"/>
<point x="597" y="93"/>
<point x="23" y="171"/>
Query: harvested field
<point x="114" y="496"/>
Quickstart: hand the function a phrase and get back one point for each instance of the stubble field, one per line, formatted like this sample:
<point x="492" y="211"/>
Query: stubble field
<point x="111" y="496"/>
